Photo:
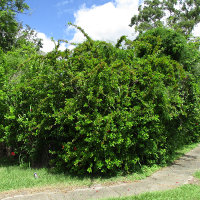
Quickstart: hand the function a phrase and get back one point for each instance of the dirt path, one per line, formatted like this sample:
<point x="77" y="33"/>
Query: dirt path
<point x="167" y="178"/>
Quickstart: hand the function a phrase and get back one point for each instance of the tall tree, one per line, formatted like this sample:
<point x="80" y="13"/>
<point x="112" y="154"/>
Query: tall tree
<point x="181" y="15"/>
<point x="8" y="24"/>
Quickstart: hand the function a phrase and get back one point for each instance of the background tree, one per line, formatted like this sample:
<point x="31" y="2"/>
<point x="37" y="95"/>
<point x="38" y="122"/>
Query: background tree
<point x="181" y="15"/>
<point x="9" y="26"/>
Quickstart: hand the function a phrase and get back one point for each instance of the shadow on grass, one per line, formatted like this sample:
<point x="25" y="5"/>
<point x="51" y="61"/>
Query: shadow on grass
<point x="180" y="152"/>
<point x="138" y="173"/>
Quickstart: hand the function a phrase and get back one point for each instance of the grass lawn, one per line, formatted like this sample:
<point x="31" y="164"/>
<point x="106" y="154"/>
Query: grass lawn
<point x="186" y="192"/>
<point x="14" y="177"/>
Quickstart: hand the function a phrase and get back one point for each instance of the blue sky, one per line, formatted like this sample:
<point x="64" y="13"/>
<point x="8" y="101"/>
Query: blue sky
<point x="101" y="19"/>
<point x="52" y="16"/>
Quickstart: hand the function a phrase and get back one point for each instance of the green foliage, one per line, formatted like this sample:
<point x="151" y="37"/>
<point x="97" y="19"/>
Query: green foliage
<point x="9" y="26"/>
<point x="180" y="15"/>
<point x="170" y="43"/>
<point x="2" y="95"/>
<point x="101" y="108"/>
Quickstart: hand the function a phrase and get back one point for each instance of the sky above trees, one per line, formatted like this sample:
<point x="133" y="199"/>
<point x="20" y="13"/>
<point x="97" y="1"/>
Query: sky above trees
<point x="101" y="19"/>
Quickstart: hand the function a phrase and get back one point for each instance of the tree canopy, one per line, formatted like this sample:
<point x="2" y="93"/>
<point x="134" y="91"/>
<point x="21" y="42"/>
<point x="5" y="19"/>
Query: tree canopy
<point x="181" y="15"/>
<point x="9" y="26"/>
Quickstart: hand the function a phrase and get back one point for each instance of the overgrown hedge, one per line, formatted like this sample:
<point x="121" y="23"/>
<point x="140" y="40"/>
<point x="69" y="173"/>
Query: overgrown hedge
<point x="102" y="109"/>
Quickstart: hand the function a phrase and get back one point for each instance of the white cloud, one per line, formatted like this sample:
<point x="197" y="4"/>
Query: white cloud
<point x="105" y="22"/>
<point x="63" y="46"/>
<point x="48" y="44"/>
<point x="108" y="21"/>
<point x="196" y="31"/>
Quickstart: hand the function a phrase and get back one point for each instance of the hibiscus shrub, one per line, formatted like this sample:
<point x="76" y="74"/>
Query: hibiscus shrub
<point x="102" y="109"/>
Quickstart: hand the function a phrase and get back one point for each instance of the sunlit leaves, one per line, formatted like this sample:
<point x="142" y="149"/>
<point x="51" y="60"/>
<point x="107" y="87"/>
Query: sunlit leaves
<point x="102" y="109"/>
<point x="181" y="16"/>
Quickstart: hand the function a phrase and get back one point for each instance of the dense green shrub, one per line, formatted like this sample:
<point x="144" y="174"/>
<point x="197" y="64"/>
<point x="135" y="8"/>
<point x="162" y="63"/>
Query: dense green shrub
<point x="2" y="103"/>
<point x="103" y="109"/>
<point x="172" y="44"/>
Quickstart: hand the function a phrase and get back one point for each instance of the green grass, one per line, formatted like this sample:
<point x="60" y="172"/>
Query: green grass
<point x="197" y="174"/>
<point x="186" y="192"/>
<point x="14" y="177"/>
